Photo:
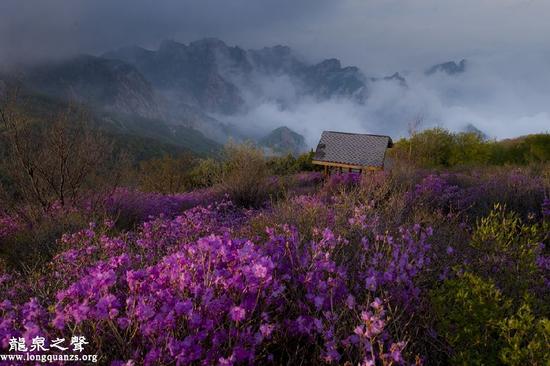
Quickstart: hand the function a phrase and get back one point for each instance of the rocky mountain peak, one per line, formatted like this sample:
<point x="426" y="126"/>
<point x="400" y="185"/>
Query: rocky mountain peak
<point x="450" y="68"/>
<point x="209" y="43"/>
<point x="105" y="83"/>
<point x="283" y="140"/>
<point x="331" y="64"/>
<point x="275" y="60"/>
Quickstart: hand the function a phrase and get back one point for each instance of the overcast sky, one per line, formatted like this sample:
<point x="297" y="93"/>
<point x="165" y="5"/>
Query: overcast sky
<point x="505" y="91"/>
<point x="380" y="36"/>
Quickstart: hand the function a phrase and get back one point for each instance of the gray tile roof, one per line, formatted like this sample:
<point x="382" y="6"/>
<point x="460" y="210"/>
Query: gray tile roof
<point x="352" y="148"/>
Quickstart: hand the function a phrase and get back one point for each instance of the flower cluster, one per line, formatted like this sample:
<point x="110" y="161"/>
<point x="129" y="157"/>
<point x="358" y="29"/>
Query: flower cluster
<point x="140" y="206"/>
<point x="308" y="178"/>
<point x="344" y="179"/>
<point x="194" y="281"/>
<point x="435" y="191"/>
<point x="369" y="335"/>
<point x="185" y="289"/>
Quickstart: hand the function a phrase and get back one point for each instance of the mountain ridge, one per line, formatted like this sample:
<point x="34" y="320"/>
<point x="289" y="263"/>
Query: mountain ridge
<point x="202" y="85"/>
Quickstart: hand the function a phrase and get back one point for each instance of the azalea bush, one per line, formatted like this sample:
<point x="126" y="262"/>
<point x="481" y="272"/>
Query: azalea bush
<point x="353" y="270"/>
<point x="184" y="289"/>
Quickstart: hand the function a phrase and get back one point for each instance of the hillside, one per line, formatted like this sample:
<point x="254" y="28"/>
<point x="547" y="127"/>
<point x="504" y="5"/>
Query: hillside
<point x="144" y="137"/>
<point x="321" y="274"/>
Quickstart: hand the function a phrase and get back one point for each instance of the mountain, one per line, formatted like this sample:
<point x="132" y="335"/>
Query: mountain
<point x="197" y="93"/>
<point x="395" y="77"/>
<point x="276" y="60"/>
<point x="190" y="73"/>
<point x="283" y="140"/>
<point x="471" y="128"/>
<point x="101" y="83"/>
<point x="143" y="137"/>
<point x="117" y="87"/>
<point x="323" y="80"/>
<point x="449" y="68"/>
<point x="181" y="137"/>
<point x="328" y="79"/>
<point x="212" y="75"/>
<point x="198" y="84"/>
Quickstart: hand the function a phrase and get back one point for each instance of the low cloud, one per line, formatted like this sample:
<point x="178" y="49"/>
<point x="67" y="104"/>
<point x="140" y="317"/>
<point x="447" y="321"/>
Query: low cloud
<point x="499" y="100"/>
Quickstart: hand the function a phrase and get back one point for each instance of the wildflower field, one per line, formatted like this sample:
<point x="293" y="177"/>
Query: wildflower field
<point x="387" y="269"/>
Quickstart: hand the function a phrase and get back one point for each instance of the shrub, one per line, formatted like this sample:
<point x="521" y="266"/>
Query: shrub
<point x="245" y="176"/>
<point x="206" y="173"/>
<point x="30" y="245"/>
<point x="186" y="289"/>
<point x="526" y="338"/>
<point x="479" y="324"/>
<point x="506" y="250"/>
<point x="166" y="174"/>
<point x="429" y="148"/>
<point x="345" y="274"/>
<point x="439" y="147"/>
<point x="467" y="314"/>
<point x="53" y="162"/>
<point x="289" y="164"/>
<point x="129" y="208"/>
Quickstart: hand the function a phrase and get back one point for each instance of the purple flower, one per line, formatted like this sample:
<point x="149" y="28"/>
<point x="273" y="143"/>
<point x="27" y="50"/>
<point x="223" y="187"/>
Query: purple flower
<point x="237" y="313"/>
<point x="259" y="271"/>
<point x="266" y="330"/>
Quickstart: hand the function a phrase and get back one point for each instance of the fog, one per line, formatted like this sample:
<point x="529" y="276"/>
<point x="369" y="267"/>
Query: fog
<point x="504" y="93"/>
<point x="499" y="100"/>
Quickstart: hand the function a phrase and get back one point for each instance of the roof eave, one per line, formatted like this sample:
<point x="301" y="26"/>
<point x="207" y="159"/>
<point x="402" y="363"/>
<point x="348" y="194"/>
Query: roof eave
<point x="347" y="165"/>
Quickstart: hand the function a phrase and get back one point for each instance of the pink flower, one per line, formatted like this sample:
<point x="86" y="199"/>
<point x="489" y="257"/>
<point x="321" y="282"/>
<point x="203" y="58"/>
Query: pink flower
<point x="395" y="351"/>
<point x="266" y="330"/>
<point x="359" y="330"/>
<point x="259" y="270"/>
<point x="368" y="362"/>
<point x="376" y="304"/>
<point x="237" y="313"/>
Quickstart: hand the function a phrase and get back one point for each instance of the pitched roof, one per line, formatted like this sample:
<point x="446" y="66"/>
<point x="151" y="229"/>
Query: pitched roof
<point x="352" y="148"/>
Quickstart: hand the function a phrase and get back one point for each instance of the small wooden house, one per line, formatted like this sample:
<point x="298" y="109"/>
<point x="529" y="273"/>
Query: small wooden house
<point x="351" y="151"/>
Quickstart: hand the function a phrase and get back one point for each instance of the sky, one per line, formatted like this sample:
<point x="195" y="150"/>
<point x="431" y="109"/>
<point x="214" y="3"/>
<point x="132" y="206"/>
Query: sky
<point x="377" y="35"/>
<point x="505" y="93"/>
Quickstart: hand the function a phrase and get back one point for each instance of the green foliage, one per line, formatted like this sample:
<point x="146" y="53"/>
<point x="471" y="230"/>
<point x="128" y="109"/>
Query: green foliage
<point x="506" y="251"/>
<point x="167" y="174"/>
<point x="206" y="173"/>
<point x="161" y="132"/>
<point x="526" y="339"/>
<point x="468" y="311"/>
<point x="428" y="148"/>
<point x="244" y="175"/>
<point x="468" y="148"/>
<point x="439" y="147"/>
<point x="290" y="164"/>
<point x="479" y="324"/>
<point x="525" y="150"/>
<point x="491" y="314"/>
<point x="140" y="148"/>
